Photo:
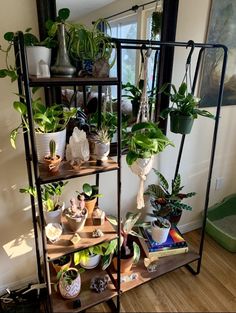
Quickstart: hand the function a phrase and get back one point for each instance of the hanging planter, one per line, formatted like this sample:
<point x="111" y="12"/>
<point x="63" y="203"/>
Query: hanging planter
<point x="145" y="140"/>
<point x="181" y="124"/>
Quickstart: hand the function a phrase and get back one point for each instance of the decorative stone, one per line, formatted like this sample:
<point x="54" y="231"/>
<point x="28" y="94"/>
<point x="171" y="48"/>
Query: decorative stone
<point x="77" y="151"/>
<point x="99" y="283"/>
<point x="97" y="233"/>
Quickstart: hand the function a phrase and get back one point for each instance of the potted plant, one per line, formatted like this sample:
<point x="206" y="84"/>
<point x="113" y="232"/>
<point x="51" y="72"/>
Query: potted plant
<point x="51" y="197"/>
<point x="130" y="251"/>
<point x="90" y="193"/>
<point x="168" y="204"/>
<point x="62" y="263"/>
<point x="160" y="228"/>
<point x="76" y="215"/>
<point x="102" y="144"/>
<point x="184" y="108"/>
<point x="89" y="258"/>
<point x="52" y="160"/>
<point x="69" y="282"/>
<point x="50" y="124"/>
<point x="36" y="51"/>
<point x="92" y="47"/>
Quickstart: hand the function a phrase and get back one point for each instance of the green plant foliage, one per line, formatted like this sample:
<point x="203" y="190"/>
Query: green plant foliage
<point x="90" y="192"/>
<point x="145" y="140"/>
<point x="164" y="201"/>
<point x="183" y="102"/>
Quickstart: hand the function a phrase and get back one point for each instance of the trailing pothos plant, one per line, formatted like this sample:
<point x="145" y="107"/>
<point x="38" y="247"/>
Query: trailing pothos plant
<point x="164" y="201"/>
<point x="126" y="243"/>
<point x="183" y="102"/>
<point x="144" y="140"/>
<point x="47" y="119"/>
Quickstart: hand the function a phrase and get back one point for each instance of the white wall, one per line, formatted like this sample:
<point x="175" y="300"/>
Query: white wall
<point x="16" y="243"/>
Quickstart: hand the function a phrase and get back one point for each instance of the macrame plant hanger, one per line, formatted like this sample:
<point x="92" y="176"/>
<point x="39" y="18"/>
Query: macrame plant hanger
<point x="143" y="166"/>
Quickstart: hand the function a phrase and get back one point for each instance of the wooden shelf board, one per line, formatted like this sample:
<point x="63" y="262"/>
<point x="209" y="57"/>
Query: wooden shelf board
<point x="166" y="264"/>
<point x="65" y="246"/>
<point x="88" y="297"/>
<point x="70" y="81"/>
<point x="66" y="171"/>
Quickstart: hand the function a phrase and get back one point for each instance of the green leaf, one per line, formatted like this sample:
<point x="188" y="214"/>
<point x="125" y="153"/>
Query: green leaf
<point x="87" y="189"/>
<point x="136" y="252"/>
<point x="106" y="260"/>
<point x="176" y="184"/>
<point x="131" y="157"/>
<point x="130" y="222"/>
<point x="3" y="73"/>
<point x="13" y="136"/>
<point x="111" y="247"/>
<point x="9" y="36"/>
<point x="64" y="14"/>
<point x="112" y="220"/>
<point x="20" y="107"/>
<point x="163" y="181"/>
<point x="143" y="125"/>
<point x="182" y="89"/>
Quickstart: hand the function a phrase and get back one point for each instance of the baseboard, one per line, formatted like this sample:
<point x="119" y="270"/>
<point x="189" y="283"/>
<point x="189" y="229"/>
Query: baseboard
<point x="18" y="284"/>
<point x="190" y="226"/>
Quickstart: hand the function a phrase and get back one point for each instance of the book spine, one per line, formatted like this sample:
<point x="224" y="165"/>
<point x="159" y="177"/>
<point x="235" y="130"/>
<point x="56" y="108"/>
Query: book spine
<point x="168" y="252"/>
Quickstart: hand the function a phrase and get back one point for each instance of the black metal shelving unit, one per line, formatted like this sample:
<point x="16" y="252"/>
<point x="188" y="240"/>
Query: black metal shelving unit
<point x="37" y="177"/>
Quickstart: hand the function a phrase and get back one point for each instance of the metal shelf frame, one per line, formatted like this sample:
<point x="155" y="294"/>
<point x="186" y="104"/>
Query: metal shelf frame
<point x="24" y="85"/>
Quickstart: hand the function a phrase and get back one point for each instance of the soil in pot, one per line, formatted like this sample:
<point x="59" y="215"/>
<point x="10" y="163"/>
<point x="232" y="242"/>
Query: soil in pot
<point x="62" y="263"/>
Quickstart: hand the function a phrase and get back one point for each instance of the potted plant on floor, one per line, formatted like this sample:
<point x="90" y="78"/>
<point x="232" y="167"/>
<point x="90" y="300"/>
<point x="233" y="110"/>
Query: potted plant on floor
<point x="90" y="193"/>
<point x="168" y="204"/>
<point x="184" y="108"/>
<point x="130" y="251"/>
<point x="53" y="160"/>
<point x="50" y="124"/>
<point x="144" y="141"/>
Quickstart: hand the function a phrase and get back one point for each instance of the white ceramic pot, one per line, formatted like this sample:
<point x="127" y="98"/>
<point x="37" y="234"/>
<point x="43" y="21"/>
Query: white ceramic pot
<point x="54" y="216"/>
<point x="42" y="143"/>
<point x="34" y="55"/>
<point x="101" y="150"/>
<point x="70" y="291"/>
<point x="92" y="262"/>
<point x="159" y="234"/>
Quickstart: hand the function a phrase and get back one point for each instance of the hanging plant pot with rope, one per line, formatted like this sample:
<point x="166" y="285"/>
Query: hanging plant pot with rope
<point x="145" y="140"/>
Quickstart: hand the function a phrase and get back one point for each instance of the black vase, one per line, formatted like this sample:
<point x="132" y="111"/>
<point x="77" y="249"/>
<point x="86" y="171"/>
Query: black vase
<point x="62" y="67"/>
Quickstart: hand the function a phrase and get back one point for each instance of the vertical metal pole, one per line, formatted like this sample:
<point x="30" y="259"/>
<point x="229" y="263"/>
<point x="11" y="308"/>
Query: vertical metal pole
<point x="119" y="121"/>
<point x="213" y="148"/>
<point x="34" y="157"/>
<point x="28" y="163"/>
<point x="179" y="155"/>
<point x="154" y="80"/>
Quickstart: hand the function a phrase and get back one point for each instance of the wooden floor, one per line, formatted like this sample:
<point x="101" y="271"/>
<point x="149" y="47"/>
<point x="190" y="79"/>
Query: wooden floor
<point x="213" y="290"/>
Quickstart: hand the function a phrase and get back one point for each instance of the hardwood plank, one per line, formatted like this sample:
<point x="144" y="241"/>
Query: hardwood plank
<point x="66" y="171"/>
<point x="65" y="246"/>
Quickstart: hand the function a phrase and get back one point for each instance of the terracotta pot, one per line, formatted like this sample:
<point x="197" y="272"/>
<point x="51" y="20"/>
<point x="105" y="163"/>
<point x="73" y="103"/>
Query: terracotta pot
<point x="92" y="262"/>
<point x="90" y="205"/>
<point x="70" y="291"/>
<point x="76" y="223"/>
<point x="160" y="234"/>
<point x="52" y="164"/>
<point x="58" y="268"/>
<point x="125" y="264"/>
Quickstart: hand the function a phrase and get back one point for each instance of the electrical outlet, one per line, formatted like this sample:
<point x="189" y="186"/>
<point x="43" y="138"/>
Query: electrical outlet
<point x="219" y="183"/>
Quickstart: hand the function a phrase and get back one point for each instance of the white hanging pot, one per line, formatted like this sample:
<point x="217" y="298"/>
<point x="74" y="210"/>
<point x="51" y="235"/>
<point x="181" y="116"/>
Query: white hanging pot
<point x="42" y="143"/>
<point x="35" y="54"/>
<point x="70" y="290"/>
<point x="92" y="262"/>
<point x="141" y="167"/>
<point x="160" y="234"/>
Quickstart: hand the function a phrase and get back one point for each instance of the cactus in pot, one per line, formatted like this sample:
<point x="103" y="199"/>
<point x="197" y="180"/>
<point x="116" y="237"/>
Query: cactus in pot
<point x="52" y="160"/>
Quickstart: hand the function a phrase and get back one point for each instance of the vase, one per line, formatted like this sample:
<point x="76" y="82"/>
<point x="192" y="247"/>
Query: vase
<point x="62" y="67"/>
<point x="72" y="289"/>
<point x="35" y="54"/>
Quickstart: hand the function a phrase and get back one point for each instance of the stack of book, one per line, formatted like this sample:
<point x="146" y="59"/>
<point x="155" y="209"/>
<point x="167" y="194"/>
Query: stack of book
<point x="175" y="244"/>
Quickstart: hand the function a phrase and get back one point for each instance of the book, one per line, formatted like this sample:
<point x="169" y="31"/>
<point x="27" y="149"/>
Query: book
<point x="174" y="239"/>
<point x="162" y="252"/>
